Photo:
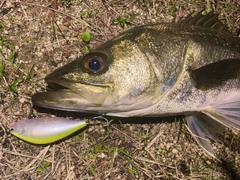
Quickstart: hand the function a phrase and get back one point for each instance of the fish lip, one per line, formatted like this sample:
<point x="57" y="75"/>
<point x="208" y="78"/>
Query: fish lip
<point x="56" y="84"/>
<point x="72" y="96"/>
<point x="49" y="99"/>
<point x="41" y="99"/>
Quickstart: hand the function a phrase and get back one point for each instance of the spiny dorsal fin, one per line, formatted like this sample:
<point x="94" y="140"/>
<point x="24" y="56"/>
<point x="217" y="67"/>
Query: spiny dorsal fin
<point x="209" y="20"/>
<point x="215" y="74"/>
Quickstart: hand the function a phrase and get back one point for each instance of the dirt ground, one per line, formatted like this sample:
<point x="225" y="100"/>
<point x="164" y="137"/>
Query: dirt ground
<point x="37" y="37"/>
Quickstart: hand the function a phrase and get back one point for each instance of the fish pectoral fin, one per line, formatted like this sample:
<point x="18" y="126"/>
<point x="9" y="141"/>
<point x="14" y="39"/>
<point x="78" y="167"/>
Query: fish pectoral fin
<point x="215" y="74"/>
<point x="203" y="128"/>
<point x="226" y="110"/>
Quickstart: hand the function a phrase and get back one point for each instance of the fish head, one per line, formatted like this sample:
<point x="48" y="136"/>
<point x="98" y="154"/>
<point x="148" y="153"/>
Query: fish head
<point x="115" y="79"/>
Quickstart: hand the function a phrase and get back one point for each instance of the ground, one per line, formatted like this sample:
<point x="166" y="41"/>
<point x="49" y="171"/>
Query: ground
<point x="37" y="37"/>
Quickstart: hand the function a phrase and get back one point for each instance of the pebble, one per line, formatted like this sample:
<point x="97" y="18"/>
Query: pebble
<point x="208" y="162"/>
<point x="174" y="151"/>
<point x="22" y="100"/>
<point x="101" y="155"/>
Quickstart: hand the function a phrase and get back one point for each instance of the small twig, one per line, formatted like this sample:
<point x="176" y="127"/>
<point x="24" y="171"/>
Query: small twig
<point x="55" y="10"/>
<point x="53" y="157"/>
<point x="14" y="174"/>
<point x="155" y="139"/>
<point x="143" y="170"/>
<point x="124" y="134"/>
<point x="3" y="137"/>
<point x="154" y="162"/>
<point x="1" y="5"/>
<point x="24" y="155"/>
<point x="28" y="168"/>
<point x="54" y="22"/>
<point x="58" y="164"/>
<point x="42" y="154"/>
<point x="160" y="167"/>
<point x="24" y="12"/>
<point x="4" y="118"/>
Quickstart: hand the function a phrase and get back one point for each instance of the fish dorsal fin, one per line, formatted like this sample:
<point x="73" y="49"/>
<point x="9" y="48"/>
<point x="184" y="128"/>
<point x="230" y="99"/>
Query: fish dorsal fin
<point x="215" y="74"/>
<point x="209" y="20"/>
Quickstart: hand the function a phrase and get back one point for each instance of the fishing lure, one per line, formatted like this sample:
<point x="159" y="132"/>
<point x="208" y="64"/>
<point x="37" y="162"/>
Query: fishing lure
<point x="45" y="130"/>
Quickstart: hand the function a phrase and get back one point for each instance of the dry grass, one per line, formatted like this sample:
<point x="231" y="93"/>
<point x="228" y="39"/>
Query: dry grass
<point x="38" y="36"/>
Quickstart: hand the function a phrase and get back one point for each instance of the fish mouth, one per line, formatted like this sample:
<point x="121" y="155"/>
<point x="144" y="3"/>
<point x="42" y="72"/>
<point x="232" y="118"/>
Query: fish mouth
<point x="73" y="96"/>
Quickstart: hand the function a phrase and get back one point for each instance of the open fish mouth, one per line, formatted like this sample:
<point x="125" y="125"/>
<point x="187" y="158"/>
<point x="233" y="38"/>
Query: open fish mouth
<point x="72" y="96"/>
<point x="91" y="98"/>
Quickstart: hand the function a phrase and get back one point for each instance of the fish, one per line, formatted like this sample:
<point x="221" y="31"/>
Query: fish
<point x="45" y="130"/>
<point x="189" y="68"/>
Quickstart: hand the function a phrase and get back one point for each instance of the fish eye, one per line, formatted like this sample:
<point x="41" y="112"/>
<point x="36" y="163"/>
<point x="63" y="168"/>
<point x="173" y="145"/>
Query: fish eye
<point x="95" y="62"/>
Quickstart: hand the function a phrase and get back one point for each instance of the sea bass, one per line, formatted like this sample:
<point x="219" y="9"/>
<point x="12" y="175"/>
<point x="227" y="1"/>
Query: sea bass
<point x="189" y="68"/>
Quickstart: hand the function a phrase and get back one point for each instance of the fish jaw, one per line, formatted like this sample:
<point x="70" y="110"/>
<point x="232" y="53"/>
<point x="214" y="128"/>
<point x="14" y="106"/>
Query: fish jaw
<point x="94" y="93"/>
<point x="68" y="100"/>
<point x="70" y="95"/>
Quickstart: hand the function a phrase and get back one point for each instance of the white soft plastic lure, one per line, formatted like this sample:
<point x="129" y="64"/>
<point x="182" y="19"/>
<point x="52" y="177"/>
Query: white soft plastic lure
<point x="45" y="130"/>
